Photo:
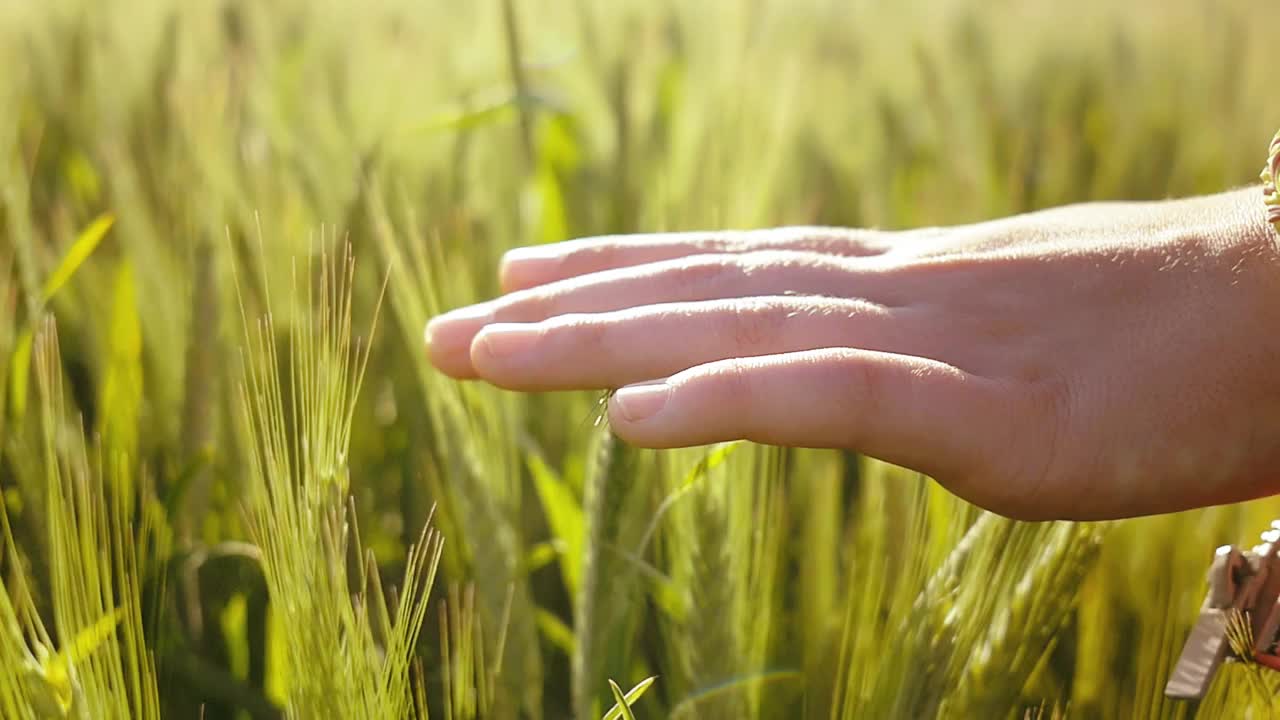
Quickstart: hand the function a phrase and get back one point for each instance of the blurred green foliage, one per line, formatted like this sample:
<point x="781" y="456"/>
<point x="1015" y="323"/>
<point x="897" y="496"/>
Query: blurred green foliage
<point x="186" y="448"/>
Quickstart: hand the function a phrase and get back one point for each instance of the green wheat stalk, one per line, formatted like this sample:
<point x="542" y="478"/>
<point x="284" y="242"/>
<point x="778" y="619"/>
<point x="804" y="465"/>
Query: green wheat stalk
<point x="606" y="610"/>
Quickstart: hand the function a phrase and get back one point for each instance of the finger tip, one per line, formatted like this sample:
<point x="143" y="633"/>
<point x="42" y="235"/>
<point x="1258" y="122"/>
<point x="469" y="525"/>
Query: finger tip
<point x="509" y="276"/>
<point x="638" y="434"/>
<point x="527" y="267"/>
<point x="431" y="333"/>
<point x="500" y="355"/>
<point x="513" y="277"/>
<point x="623" y="428"/>
<point x="636" y="411"/>
<point x="455" y="364"/>
<point x="448" y="339"/>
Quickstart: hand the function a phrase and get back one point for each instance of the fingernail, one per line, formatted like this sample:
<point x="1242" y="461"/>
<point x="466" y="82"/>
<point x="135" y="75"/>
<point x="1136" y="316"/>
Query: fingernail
<point x="532" y="252"/>
<point x="641" y="402"/>
<point x="456" y="328"/>
<point x="504" y="339"/>
<point x="528" y="265"/>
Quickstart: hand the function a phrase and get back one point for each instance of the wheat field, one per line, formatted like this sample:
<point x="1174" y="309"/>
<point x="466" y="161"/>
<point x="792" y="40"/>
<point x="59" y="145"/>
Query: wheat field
<point x="233" y="487"/>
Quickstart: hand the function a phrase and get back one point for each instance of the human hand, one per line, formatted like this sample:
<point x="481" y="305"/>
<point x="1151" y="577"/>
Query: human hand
<point x="1091" y="361"/>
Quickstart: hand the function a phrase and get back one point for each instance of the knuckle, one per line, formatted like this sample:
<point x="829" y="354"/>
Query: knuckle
<point x="754" y="324"/>
<point x="525" y="306"/>
<point x="859" y="385"/>
<point x="733" y="381"/>
<point x="727" y="385"/>
<point x="804" y="271"/>
<point x="1035" y="481"/>
<point x="704" y="270"/>
<point x="1049" y="401"/>
<point x="582" y="329"/>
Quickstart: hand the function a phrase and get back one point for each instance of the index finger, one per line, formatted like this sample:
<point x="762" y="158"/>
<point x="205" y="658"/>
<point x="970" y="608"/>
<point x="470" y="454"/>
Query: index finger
<point x="534" y="265"/>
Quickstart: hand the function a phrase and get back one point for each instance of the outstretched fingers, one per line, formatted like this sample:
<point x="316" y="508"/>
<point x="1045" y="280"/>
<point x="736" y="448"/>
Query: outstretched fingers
<point x="703" y="277"/>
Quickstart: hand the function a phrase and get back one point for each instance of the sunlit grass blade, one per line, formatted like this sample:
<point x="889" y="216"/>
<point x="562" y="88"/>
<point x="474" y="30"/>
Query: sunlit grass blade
<point x="8" y="326"/>
<point x="121" y="399"/>
<point x="565" y="518"/>
<point x="85" y="243"/>
<point x="19" y="373"/>
<point x="623" y="703"/>
<point x="83" y="246"/>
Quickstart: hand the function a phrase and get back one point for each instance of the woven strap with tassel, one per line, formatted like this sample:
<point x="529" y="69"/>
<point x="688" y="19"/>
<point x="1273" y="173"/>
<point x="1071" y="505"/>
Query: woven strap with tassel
<point x="1270" y="179"/>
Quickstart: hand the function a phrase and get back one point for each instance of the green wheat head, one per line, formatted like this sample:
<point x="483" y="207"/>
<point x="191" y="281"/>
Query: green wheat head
<point x="96" y="663"/>
<point x="348" y="651"/>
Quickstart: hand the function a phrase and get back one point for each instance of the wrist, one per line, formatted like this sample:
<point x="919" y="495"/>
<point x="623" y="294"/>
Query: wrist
<point x="1236" y="223"/>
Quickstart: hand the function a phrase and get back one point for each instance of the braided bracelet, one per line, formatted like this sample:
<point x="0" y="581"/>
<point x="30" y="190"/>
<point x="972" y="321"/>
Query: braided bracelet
<point x="1270" y="179"/>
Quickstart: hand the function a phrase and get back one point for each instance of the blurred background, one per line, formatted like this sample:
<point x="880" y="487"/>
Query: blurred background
<point x="172" y="173"/>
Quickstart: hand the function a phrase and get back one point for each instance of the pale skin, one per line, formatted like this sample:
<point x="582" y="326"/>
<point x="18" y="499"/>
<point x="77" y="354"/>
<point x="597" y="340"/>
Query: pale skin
<point x="1087" y="362"/>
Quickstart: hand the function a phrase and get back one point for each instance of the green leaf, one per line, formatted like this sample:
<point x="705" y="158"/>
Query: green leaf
<point x="549" y="204"/>
<point x="19" y="373"/>
<point x="79" y="251"/>
<point x="85" y="184"/>
<point x="90" y="638"/>
<point x="558" y="158"/>
<point x="490" y="111"/>
<point x="121" y="397"/>
<point x="714" y="458"/>
<point x="564" y="516"/>
<point x="622" y="708"/>
<point x="541" y="555"/>
<point x="621" y="702"/>
<point x="51" y="678"/>
<point x="474" y="118"/>
<point x="668" y="597"/>
<point x="12" y="503"/>
<point x="554" y="630"/>
<point x="671" y="82"/>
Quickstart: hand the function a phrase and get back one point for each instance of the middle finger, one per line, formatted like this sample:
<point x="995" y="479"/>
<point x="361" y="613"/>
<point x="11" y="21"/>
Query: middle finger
<point x="603" y="350"/>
